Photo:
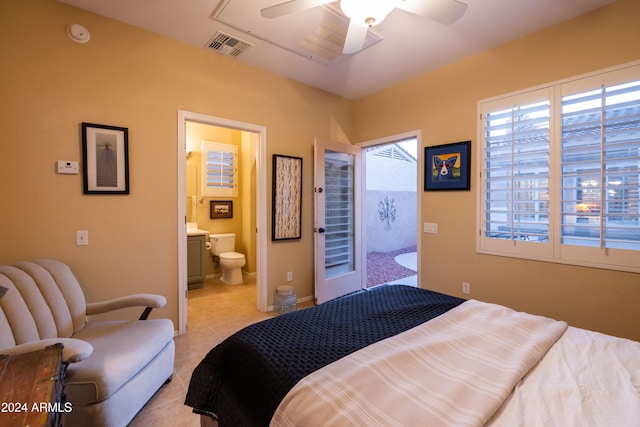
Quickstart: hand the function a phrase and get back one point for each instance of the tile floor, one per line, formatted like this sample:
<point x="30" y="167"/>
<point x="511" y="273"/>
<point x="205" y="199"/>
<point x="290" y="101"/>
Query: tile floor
<point x="214" y="312"/>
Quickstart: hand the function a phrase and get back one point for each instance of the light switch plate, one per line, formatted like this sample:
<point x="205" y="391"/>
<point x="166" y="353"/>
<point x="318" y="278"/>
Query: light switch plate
<point x="430" y="227"/>
<point x="82" y="238"/>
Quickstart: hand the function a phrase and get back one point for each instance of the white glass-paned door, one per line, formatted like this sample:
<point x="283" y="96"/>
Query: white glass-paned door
<point x="337" y="224"/>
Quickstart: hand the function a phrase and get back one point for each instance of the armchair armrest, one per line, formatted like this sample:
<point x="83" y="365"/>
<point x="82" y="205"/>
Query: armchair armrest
<point x="150" y="301"/>
<point x="73" y="350"/>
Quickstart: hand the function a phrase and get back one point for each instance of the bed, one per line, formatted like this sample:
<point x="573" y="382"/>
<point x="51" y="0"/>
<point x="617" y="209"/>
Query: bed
<point x="399" y="355"/>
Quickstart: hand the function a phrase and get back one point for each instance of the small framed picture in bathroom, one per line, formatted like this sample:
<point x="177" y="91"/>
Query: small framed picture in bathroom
<point x="220" y="209"/>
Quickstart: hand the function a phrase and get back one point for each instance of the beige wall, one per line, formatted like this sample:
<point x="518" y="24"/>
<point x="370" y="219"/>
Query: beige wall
<point x="446" y="111"/>
<point x="132" y="78"/>
<point x="129" y="77"/>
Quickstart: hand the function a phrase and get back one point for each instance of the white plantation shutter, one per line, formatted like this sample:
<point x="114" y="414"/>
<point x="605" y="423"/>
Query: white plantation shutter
<point x="560" y="172"/>
<point x="517" y="172"/>
<point x="339" y="213"/>
<point x="219" y="169"/>
<point x="601" y="167"/>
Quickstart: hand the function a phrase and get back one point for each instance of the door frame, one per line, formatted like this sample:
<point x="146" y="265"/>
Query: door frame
<point x="419" y="166"/>
<point x="261" y="207"/>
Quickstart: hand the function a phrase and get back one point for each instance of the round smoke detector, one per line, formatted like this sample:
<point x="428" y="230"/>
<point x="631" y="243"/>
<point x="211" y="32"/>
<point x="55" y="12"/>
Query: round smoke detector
<point x="78" y="33"/>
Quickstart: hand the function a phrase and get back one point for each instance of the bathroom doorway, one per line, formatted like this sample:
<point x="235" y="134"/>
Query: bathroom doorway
<point x="251" y="139"/>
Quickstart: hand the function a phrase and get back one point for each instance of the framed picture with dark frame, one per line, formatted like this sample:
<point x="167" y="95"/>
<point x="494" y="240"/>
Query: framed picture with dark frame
<point x="105" y="159"/>
<point x="447" y="167"/>
<point x="286" y="198"/>
<point x="220" y="209"/>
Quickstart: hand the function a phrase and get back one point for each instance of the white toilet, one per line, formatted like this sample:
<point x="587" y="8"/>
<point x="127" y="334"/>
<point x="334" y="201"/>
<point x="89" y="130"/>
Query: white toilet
<point x="231" y="263"/>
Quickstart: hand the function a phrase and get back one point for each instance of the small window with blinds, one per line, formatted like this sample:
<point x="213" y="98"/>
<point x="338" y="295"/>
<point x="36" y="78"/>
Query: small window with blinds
<point x="560" y="172"/>
<point x="219" y="169"/>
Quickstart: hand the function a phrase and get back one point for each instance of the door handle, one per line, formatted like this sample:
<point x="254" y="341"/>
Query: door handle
<point x="319" y="230"/>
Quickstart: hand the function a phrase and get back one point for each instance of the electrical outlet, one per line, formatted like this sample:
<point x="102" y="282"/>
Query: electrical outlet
<point x="289" y="276"/>
<point x="82" y="238"/>
<point x="466" y="288"/>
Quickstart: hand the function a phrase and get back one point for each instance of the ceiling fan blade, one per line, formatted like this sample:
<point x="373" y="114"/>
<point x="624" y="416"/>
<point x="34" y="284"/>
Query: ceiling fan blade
<point x="356" y="35"/>
<point x="445" y="11"/>
<point x="291" y="7"/>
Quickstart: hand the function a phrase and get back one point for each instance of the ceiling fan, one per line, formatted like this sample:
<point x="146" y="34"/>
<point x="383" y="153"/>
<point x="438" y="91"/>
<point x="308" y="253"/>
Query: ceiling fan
<point x="367" y="13"/>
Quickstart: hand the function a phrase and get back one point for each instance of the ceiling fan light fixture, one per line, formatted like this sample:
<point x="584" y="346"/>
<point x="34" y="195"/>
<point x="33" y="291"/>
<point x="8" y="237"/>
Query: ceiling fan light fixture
<point x="367" y="13"/>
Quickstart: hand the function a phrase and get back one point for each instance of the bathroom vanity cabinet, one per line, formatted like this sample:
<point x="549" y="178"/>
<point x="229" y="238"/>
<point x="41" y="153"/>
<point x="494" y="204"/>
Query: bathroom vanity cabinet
<point x="196" y="252"/>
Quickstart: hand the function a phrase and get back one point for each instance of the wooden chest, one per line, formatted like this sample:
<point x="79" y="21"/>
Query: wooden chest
<point x="32" y="389"/>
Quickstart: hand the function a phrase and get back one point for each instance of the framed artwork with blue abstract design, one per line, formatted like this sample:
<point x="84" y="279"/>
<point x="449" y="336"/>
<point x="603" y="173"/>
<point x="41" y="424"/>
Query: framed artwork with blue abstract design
<point x="447" y="167"/>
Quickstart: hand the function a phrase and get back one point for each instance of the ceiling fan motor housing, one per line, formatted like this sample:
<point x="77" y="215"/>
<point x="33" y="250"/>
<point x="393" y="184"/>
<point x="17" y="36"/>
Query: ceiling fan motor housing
<point x="368" y="13"/>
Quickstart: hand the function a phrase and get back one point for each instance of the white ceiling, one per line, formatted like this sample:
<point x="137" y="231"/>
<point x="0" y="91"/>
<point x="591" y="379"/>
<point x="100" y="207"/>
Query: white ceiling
<point x="401" y="47"/>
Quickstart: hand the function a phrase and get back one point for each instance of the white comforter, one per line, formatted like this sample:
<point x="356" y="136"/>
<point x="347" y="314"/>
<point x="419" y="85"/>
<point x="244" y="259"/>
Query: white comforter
<point x="585" y="379"/>
<point x="461" y="368"/>
<point x="455" y="370"/>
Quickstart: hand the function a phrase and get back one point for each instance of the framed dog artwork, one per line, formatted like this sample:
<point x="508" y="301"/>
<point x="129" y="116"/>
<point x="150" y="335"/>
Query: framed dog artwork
<point x="447" y="167"/>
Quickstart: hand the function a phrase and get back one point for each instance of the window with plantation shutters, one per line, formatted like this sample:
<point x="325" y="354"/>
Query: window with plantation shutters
<point x="516" y="172"/>
<point x="559" y="171"/>
<point x="600" y="167"/>
<point x="219" y="169"/>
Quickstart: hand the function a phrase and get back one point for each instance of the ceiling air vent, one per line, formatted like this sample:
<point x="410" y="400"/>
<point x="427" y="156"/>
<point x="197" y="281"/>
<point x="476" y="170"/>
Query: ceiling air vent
<point x="227" y="45"/>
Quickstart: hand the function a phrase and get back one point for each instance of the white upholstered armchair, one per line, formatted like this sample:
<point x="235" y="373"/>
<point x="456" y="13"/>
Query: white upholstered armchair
<point x="115" y="366"/>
